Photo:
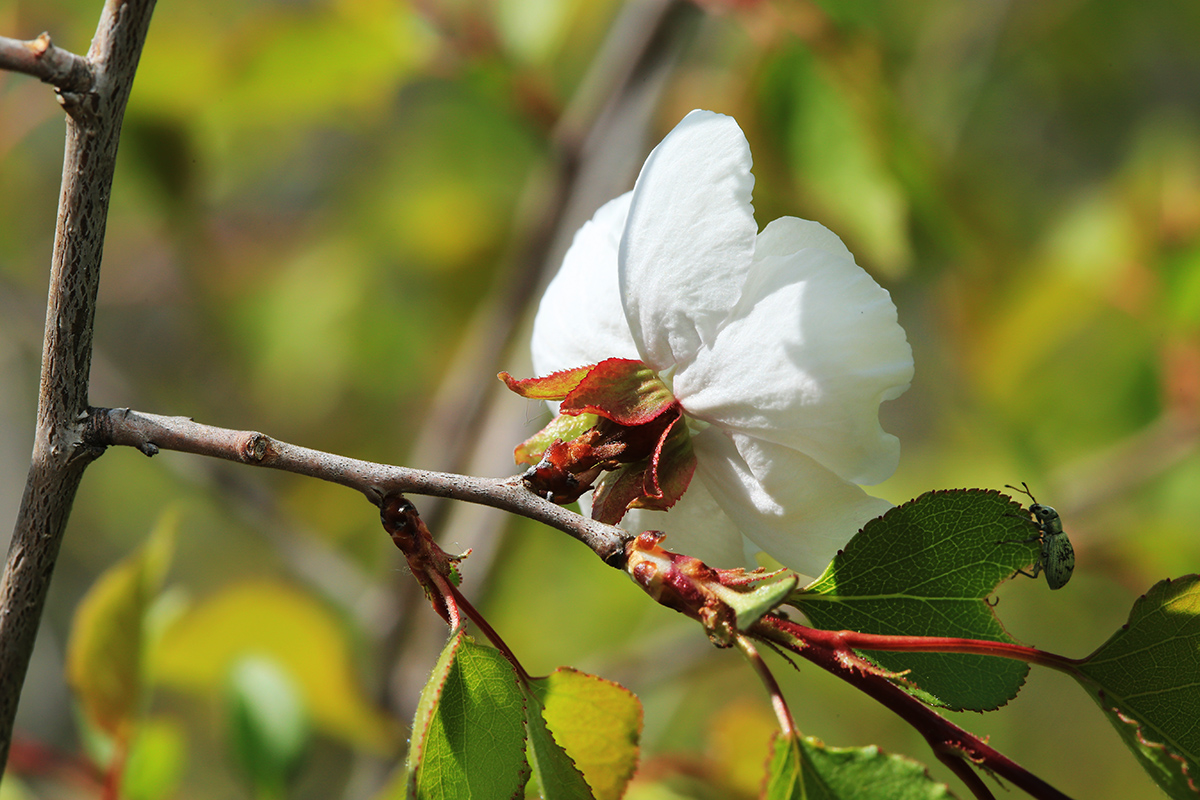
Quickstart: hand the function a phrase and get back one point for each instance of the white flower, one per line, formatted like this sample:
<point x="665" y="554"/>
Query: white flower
<point x="777" y="345"/>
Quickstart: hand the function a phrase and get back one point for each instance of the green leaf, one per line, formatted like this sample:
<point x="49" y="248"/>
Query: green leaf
<point x="468" y="737"/>
<point x="268" y="724"/>
<point x="924" y="569"/>
<point x="156" y="761"/>
<point x="597" y="722"/>
<point x="805" y="769"/>
<point x="1144" y="678"/>
<point x="105" y="651"/>
<point x="427" y="708"/>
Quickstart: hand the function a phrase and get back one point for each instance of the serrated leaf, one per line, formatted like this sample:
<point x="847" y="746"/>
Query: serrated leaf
<point x="554" y="773"/>
<point x="924" y="569"/>
<point x="427" y="706"/>
<point x="597" y="722"/>
<point x="805" y="769"/>
<point x="469" y="732"/>
<point x="1144" y="678"/>
<point x="105" y="651"/>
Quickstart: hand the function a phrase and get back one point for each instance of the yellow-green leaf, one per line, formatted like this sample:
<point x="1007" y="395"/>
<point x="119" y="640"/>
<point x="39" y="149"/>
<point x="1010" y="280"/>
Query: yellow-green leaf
<point x="106" y="646"/>
<point x="597" y="722"/>
<point x="291" y="627"/>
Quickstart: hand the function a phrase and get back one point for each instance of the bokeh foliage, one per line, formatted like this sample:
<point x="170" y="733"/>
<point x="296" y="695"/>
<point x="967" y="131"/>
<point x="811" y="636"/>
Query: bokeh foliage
<point x="313" y="201"/>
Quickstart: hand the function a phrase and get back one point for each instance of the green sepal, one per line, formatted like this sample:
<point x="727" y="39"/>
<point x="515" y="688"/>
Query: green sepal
<point x="564" y="427"/>
<point x="771" y="590"/>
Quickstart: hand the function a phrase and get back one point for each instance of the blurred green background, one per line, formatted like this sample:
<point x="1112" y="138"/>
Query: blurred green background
<point x="330" y="218"/>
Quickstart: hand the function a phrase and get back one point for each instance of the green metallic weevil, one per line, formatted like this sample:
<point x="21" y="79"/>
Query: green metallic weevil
<point x="1057" y="558"/>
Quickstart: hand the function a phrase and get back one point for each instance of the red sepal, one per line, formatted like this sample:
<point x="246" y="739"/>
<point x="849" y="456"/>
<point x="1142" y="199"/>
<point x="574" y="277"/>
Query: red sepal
<point x="622" y="390"/>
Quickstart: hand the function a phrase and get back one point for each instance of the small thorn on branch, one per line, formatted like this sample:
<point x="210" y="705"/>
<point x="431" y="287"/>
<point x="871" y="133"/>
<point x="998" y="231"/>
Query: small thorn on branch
<point x="40" y="45"/>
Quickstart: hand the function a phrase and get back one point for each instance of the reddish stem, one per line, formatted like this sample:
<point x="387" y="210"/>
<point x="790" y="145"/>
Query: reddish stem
<point x="938" y="644"/>
<point x="488" y="631"/>
<point x="830" y="651"/>
<point x="116" y="769"/>
<point x="786" y="724"/>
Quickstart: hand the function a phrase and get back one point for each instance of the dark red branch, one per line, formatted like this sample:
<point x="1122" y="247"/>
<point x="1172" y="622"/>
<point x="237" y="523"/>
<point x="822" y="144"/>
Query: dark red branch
<point x="950" y="743"/>
<point x="945" y="644"/>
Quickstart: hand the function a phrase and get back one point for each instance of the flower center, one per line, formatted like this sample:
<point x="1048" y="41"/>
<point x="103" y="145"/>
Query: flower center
<point x="620" y="430"/>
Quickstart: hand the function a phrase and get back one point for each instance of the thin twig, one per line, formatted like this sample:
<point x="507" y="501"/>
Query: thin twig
<point x="40" y="58"/>
<point x="787" y="725"/>
<point x="150" y="433"/>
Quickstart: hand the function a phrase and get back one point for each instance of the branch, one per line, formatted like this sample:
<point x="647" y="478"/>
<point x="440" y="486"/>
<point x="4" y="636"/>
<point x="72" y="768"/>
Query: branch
<point x="950" y="743"/>
<point x="40" y="58"/>
<point x="702" y="593"/>
<point x="150" y="433"/>
<point x="95" y="110"/>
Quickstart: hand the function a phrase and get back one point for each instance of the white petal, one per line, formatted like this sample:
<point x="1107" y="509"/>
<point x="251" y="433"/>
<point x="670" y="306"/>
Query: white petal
<point x="811" y="350"/>
<point x="689" y="238"/>
<point x="580" y="320"/>
<point x="783" y="501"/>
<point x="695" y="526"/>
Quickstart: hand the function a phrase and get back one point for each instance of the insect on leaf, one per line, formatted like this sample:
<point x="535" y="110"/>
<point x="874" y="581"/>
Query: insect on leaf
<point x="925" y="568"/>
